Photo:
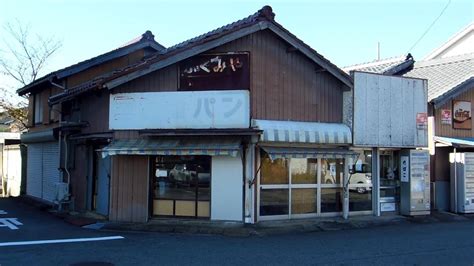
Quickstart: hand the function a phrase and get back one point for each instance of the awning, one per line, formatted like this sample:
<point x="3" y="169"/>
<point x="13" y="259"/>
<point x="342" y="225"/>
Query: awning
<point x="303" y="132"/>
<point x="455" y="142"/>
<point x="212" y="147"/>
<point x="280" y="152"/>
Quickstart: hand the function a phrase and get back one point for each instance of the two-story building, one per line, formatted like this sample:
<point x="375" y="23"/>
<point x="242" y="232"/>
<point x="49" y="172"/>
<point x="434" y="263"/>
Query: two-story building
<point x="242" y="123"/>
<point x="47" y="165"/>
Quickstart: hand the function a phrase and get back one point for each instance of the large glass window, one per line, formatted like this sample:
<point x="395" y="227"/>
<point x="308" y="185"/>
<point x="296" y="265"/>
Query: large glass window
<point x="300" y="187"/>
<point x="181" y="186"/>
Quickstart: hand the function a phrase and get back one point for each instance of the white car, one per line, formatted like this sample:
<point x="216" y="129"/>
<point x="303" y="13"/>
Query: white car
<point x="362" y="176"/>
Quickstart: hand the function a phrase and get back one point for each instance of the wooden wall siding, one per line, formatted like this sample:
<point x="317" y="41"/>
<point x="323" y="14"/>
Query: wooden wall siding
<point x="47" y="110"/>
<point x="126" y="134"/>
<point x="94" y="109"/>
<point x="284" y="85"/>
<point x="79" y="175"/>
<point x="104" y="68"/>
<point x="448" y="130"/>
<point x="129" y="189"/>
<point x="165" y="79"/>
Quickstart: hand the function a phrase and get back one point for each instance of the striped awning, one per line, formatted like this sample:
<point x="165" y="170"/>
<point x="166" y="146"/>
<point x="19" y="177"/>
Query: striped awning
<point x="284" y="152"/>
<point x="211" y="147"/>
<point x="303" y="132"/>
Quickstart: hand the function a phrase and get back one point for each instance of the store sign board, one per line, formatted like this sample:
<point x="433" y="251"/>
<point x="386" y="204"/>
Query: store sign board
<point x="180" y="110"/>
<point x="224" y="71"/>
<point x="389" y="111"/>
<point x="404" y="169"/>
<point x="446" y="117"/>
<point x="462" y="118"/>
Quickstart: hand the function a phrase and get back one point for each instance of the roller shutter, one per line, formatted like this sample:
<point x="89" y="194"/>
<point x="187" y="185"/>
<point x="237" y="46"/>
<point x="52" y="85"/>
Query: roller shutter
<point x="34" y="172"/>
<point x="42" y="172"/>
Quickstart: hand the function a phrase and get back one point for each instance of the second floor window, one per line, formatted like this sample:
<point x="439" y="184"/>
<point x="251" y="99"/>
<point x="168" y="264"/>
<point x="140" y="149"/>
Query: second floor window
<point x="38" y="113"/>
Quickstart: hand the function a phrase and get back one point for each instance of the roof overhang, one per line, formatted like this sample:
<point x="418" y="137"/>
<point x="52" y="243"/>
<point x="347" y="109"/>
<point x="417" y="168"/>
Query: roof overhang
<point x="454" y="142"/>
<point x="178" y="56"/>
<point x="454" y="92"/>
<point x="303" y="132"/>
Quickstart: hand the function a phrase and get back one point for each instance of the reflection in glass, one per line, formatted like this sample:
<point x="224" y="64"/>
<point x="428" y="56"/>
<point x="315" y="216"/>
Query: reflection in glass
<point x="360" y="201"/>
<point x="274" y="172"/>
<point x="332" y="171"/>
<point x="182" y="186"/>
<point x="304" y="171"/>
<point x="303" y="200"/>
<point x="331" y="200"/>
<point x="274" y="202"/>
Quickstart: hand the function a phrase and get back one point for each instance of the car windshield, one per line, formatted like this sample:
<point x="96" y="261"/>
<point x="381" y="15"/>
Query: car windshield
<point x="363" y="168"/>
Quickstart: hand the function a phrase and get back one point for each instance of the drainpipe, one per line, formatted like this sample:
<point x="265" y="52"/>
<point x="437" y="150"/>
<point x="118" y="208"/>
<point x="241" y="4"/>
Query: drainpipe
<point x="455" y="181"/>
<point x="249" y="187"/>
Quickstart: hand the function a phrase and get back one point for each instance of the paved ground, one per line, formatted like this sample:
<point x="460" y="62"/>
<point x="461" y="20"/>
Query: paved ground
<point x="439" y="243"/>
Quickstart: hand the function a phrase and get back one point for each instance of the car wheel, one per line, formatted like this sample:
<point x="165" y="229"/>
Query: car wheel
<point x="361" y="190"/>
<point x="329" y="181"/>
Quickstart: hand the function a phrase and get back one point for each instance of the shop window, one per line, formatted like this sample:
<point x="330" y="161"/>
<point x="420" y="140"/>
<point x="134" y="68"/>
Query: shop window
<point x="331" y="200"/>
<point x="38" y="109"/>
<point x="274" y="172"/>
<point x="304" y="171"/>
<point x="332" y="171"/>
<point x="181" y="186"/>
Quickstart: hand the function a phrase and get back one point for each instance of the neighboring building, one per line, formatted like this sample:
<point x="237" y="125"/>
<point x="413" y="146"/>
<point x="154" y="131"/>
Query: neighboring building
<point x="46" y="129"/>
<point x="461" y="43"/>
<point x="450" y="104"/>
<point x="396" y="66"/>
<point x="10" y="164"/>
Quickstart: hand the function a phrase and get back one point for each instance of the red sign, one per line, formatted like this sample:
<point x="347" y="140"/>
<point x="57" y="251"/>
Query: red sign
<point x="462" y="115"/>
<point x="446" y="117"/>
<point x="421" y="120"/>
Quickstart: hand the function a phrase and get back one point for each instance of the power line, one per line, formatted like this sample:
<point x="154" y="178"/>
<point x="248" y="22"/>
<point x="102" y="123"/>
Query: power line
<point x="429" y="28"/>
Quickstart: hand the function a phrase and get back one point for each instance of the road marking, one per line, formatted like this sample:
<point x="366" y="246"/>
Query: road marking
<point x="56" y="241"/>
<point x="10" y="223"/>
<point x="3" y="212"/>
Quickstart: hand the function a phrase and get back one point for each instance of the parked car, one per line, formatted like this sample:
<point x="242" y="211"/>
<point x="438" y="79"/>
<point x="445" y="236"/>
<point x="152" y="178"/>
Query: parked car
<point x="185" y="174"/>
<point x="362" y="176"/>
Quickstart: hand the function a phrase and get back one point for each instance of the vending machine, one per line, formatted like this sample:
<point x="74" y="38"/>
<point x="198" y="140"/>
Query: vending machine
<point x="462" y="182"/>
<point x="414" y="182"/>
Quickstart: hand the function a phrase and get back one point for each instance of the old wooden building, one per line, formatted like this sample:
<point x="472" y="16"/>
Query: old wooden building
<point x="243" y="123"/>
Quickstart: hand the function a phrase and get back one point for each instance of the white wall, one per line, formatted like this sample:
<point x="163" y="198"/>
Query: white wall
<point x="385" y="110"/>
<point x="170" y="110"/>
<point x="226" y="188"/>
<point x="12" y="169"/>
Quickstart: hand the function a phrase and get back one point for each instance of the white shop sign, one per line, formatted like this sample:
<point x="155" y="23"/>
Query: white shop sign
<point x="180" y="110"/>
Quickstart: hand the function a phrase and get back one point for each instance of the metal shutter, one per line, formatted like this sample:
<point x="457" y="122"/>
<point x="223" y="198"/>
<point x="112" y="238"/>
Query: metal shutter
<point x="34" y="172"/>
<point x="50" y="170"/>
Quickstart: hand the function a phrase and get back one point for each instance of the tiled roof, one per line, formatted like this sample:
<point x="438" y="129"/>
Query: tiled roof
<point x="444" y="74"/>
<point x="146" y="39"/>
<point x="263" y="15"/>
<point x="380" y="66"/>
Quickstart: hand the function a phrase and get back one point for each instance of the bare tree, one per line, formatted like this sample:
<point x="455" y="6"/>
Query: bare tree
<point x="22" y="60"/>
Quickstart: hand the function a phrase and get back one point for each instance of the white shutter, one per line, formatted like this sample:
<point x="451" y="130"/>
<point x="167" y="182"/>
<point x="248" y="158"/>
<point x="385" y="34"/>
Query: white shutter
<point x="50" y="170"/>
<point x="34" y="172"/>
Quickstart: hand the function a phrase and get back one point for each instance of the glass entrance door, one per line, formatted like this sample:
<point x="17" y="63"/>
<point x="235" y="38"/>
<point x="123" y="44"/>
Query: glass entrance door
<point x="181" y="186"/>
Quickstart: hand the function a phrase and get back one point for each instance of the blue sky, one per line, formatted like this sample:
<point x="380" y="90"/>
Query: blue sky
<point x="346" y="32"/>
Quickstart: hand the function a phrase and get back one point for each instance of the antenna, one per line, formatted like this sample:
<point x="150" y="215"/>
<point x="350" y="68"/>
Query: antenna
<point x="378" y="50"/>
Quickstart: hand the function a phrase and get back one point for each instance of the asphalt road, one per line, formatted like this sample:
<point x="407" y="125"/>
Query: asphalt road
<point x="408" y="244"/>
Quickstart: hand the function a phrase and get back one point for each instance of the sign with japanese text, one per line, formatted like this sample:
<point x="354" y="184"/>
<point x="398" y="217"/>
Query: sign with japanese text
<point x="223" y="71"/>
<point x="404" y="169"/>
<point x="180" y="110"/>
<point x="446" y="117"/>
<point x="421" y="120"/>
<point x="462" y="115"/>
